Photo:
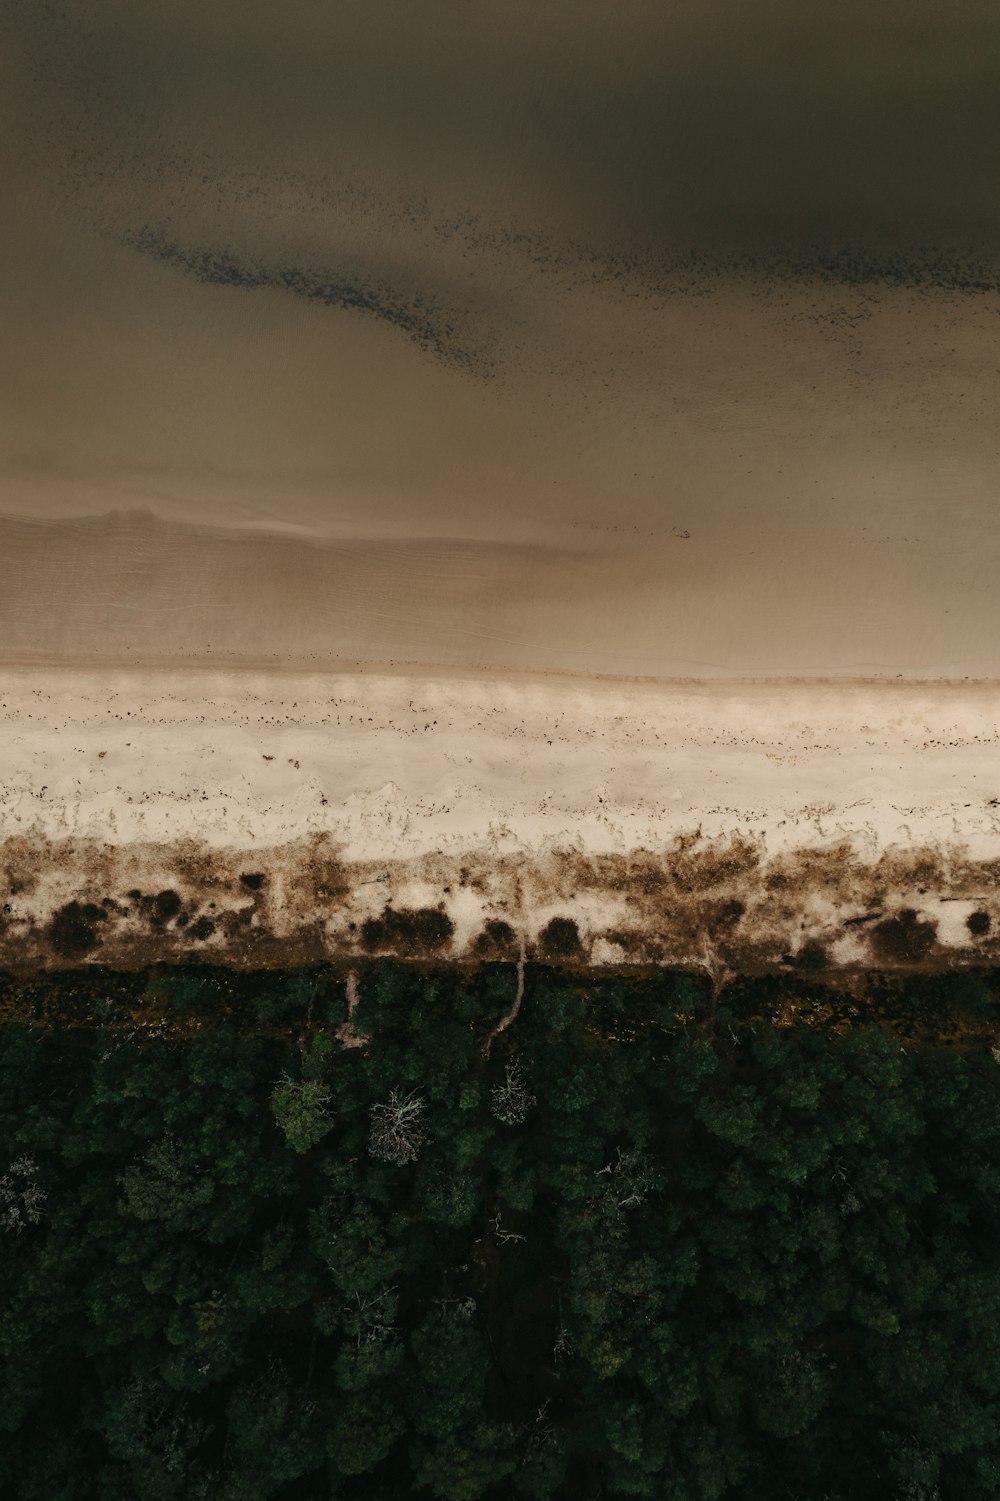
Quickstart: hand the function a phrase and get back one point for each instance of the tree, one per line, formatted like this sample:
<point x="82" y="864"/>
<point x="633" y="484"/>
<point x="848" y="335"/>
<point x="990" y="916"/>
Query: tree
<point x="168" y="1183"/>
<point x="511" y="1100"/>
<point x="21" y="1197"/>
<point x="397" y="1132"/>
<point x="300" y="1108"/>
<point x="463" y="1466"/>
<point x="273" y="1437"/>
<point x="150" y="1432"/>
<point x="365" y="1431"/>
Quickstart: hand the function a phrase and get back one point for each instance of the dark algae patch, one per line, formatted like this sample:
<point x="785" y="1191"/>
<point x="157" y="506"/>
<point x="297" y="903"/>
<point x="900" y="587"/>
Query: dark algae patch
<point x="432" y="330"/>
<point x="651" y="1245"/>
<point x="978" y="924"/>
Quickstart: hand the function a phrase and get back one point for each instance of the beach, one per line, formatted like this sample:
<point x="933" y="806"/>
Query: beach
<point x="283" y="813"/>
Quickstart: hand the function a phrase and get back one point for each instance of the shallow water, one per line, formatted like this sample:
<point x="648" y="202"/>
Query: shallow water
<point x="640" y="342"/>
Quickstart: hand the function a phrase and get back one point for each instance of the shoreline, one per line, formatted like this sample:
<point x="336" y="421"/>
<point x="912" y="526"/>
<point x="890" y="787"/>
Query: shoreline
<point x="322" y="669"/>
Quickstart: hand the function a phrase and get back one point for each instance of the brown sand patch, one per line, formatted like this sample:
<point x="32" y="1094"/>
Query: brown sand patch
<point x="63" y="917"/>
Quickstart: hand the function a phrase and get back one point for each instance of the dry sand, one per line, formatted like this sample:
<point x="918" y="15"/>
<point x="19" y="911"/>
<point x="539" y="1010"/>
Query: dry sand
<point x="666" y="820"/>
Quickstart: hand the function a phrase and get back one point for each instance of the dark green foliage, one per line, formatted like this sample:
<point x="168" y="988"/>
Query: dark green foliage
<point x="969" y="993"/>
<point x="812" y="955"/>
<point x="704" y="1258"/>
<point x="300" y="1108"/>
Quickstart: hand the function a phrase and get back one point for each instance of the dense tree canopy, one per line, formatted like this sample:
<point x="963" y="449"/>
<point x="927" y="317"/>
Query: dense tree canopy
<point x="647" y="1247"/>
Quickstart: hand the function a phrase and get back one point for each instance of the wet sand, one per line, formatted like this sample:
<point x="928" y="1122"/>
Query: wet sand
<point x="739" y="483"/>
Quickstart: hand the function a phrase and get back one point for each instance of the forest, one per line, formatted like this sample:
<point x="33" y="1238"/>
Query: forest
<point x="315" y="1235"/>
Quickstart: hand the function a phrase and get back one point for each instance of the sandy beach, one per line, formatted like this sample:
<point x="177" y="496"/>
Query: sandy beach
<point x="282" y="812"/>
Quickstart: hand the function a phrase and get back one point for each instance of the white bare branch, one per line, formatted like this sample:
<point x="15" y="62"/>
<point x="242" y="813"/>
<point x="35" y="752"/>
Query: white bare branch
<point x="511" y="1100"/>
<point x="396" y="1131"/>
<point x="21" y="1199"/>
<point x="502" y="1235"/>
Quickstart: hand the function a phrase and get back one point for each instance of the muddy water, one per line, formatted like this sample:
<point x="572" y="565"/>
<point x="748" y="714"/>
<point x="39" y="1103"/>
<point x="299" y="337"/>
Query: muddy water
<point x="645" y="340"/>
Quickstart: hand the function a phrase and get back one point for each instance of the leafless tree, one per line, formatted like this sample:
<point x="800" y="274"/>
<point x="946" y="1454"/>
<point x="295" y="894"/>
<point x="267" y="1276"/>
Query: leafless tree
<point x="511" y="1100"/>
<point x="397" y="1133"/>
<point x="369" y="1319"/>
<point x="21" y="1199"/>
<point x="461" y="1310"/>
<point x="562" y="1349"/>
<point x="540" y="1433"/>
<point x="628" y="1182"/>
<point x="502" y="1235"/>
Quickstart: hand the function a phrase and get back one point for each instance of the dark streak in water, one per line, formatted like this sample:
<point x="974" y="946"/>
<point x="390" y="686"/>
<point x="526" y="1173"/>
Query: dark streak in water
<point x="221" y="268"/>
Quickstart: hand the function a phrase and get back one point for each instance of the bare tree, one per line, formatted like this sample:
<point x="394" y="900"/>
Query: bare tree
<point x="21" y="1199"/>
<point x="396" y="1133"/>
<point x="540" y="1433"/>
<point x="504" y="1237"/>
<point x="628" y="1183"/>
<point x="370" y="1319"/>
<point x="511" y="1100"/>
<point x="562" y="1349"/>
<point x="462" y="1310"/>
